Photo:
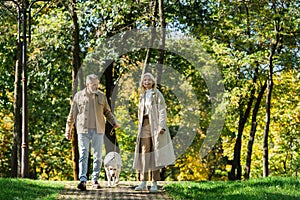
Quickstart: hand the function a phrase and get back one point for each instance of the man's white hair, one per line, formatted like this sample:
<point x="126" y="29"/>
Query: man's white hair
<point x="90" y="78"/>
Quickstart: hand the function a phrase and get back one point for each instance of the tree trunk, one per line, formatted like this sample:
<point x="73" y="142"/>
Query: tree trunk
<point x="16" y="147"/>
<point x="236" y="170"/>
<point x="267" y="127"/>
<point x="110" y="139"/>
<point x="253" y="131"/>
<point x="268" y="118"/>
<point x="274" y="45"/>
<point x="162" y="39"/>
<point x="76" y="63"/>
<point x="161" y="57"/>
<point x="153" y="9"/>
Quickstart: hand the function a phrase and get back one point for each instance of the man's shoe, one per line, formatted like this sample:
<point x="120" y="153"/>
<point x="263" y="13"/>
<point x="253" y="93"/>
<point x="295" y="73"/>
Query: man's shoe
<point x="82" y="186"/>
<point x="96" y="185"/>
<point x="153" y="187"/>
<point x="142" y="186"/>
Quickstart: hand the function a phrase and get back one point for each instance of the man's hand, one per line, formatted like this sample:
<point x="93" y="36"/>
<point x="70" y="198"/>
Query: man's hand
<point x="68" y="136"/>
<point x="162" y="131"/>
<point x="116" y="125"/>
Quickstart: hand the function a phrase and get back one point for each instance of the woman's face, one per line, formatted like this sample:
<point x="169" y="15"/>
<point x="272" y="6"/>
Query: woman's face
<point x="148" y="82"/>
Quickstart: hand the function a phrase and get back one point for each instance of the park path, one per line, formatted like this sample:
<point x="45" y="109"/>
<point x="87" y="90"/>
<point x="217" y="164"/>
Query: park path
<point x="125" y="190"/>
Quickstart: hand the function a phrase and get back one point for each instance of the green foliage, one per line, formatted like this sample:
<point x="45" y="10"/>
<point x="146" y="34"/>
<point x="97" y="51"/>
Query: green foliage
<point x="276" y="188"/>
<point x="6" y="135"/>
<point x="49" y="82"/>
<point x="286" y="123"/>
<point x="8" y="42"/>
<point x="237" y="35"/>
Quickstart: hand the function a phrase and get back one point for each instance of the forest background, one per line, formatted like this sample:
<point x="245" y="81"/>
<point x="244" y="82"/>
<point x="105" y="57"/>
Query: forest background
<point x="255" y="45"/>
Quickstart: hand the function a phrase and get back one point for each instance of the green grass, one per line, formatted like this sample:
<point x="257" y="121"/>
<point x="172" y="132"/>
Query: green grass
<point x="271" y="188"/>
<point x="25" y="189"/>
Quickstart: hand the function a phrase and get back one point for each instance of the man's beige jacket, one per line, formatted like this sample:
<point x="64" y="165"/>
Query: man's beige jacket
<point x="80" y="111"/>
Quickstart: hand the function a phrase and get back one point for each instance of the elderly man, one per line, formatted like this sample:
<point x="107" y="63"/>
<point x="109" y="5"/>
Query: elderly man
<point x="89" y="107"/>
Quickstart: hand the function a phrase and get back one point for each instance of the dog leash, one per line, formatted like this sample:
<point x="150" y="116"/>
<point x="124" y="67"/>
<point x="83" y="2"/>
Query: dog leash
<point x="115" y="147"/>
<point x="111" y="133"/>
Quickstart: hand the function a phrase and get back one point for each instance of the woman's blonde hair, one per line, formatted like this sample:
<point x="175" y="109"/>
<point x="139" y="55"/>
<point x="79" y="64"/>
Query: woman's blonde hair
<point x="142" y="88"/>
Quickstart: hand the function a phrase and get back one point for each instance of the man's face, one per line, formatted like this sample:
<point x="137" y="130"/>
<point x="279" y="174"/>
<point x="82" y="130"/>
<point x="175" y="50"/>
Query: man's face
<point x="93" y="87"/>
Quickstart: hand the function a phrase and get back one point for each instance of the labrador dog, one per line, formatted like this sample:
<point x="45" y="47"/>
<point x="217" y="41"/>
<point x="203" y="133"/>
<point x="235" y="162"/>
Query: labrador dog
<point x="112" y="165"/>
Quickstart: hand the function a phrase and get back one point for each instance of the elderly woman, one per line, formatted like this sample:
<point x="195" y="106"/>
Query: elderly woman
<point x="154" y="148"/>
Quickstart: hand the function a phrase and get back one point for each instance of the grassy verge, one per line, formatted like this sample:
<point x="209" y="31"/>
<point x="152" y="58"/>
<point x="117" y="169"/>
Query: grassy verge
<point x="25" y="189"/>
<point x="271" y="188"/>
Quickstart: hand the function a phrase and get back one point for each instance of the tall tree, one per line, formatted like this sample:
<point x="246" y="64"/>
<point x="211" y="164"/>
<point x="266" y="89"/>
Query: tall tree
<point x="162" y="20"/>
<point x="254" y="125"/>
<point x="10" y="14"/>
<point x="283" y="39"/>
<point x="16" y="147"/>
<point x="236" y="170"/>
<point x="76" y="64"/>
<point x="153" y="14"/>
<point x="273" y="47"/>
<point x="24" y="147"/>
<point x="110" y="139"/>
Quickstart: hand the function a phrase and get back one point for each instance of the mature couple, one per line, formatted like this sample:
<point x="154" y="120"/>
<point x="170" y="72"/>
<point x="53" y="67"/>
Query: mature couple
<point x="154" y="148"/>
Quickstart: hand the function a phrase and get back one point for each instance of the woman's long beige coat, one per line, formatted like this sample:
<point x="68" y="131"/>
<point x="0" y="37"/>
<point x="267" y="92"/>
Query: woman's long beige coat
<point x="163" y="147"/>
